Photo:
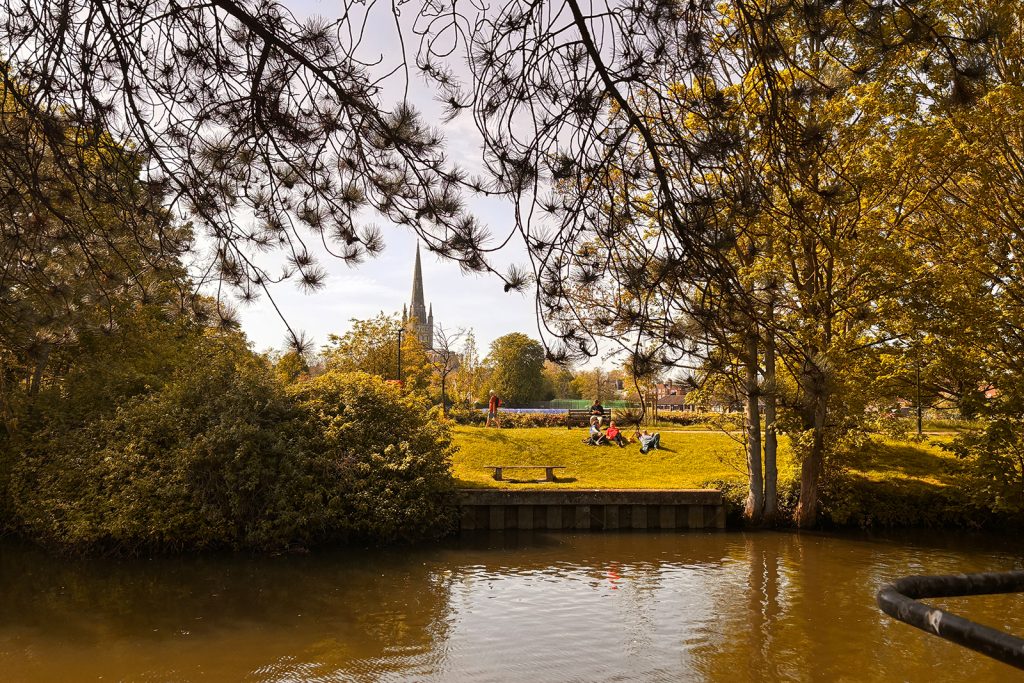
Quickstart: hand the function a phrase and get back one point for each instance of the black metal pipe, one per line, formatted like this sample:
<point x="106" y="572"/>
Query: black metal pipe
<point x="900" y="601"/>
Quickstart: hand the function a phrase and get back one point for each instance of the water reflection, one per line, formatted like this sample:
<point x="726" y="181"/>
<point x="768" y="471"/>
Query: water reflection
<point x="224" y="618"/>
<point x="501" y="607"/>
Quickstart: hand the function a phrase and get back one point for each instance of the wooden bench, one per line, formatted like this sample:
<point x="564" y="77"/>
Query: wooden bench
<point x="581" y="418"/>
<point x="549" y="470"/>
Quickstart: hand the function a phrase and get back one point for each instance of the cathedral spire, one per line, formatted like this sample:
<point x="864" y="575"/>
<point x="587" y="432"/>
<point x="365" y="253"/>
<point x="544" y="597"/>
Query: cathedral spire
<point x="419" y="308"/>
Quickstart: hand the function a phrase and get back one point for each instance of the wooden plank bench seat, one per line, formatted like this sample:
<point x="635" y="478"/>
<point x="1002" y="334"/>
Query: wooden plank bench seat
<point x="581" y="418"/>
<point x="549" y="470"/>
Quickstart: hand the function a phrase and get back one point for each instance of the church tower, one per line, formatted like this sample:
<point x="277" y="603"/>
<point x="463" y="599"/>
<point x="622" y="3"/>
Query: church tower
<point x="423" y="319"/>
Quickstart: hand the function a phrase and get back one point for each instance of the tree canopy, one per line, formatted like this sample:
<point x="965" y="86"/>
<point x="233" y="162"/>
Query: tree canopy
<point x="517" y="368"/>
<point x="803" y="197"/>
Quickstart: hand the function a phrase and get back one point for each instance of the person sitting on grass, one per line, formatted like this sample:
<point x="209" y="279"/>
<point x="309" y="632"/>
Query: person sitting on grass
<point x="649" y="441"/>
<point x="614" y="434"/>
<point x="596" y="437"/>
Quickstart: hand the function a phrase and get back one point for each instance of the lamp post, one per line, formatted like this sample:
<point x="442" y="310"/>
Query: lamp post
<point x="919" y="420"/>
<point x="400" y="331"/>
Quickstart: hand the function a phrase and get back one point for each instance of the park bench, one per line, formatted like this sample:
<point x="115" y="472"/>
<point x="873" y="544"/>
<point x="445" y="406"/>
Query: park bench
<point x="581" y="418"/>
<point x="549" y="470"/>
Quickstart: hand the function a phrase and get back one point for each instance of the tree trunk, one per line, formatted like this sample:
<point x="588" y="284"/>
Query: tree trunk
<point x="755" y="489"/>
<point x="771" y="440"/>
<point x="444" y="404"/>
<point x="40" y="369"/>
<point x="806" y="515"/>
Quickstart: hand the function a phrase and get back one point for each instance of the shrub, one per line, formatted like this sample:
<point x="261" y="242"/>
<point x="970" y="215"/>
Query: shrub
<point x="221" y="455"/>
<point x="478" y="418"/>
<point x="711" y="420"/>
<point x="994" y="457"/>
<point x="210" y="459"/>
<point x="527" y="420"/>
<point x="466" y="416"/>
<point x="890" y="425"/>
<point x="382" y="466"/>
<point x="857" y="501"/>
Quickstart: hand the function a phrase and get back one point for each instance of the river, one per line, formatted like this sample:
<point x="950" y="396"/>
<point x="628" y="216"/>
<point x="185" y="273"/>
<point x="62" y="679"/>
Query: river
<point x="691" y="606"/>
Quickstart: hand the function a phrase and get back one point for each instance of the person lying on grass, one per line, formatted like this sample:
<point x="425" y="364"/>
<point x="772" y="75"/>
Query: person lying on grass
<point x="649" y="441"/>
<point x="614" y="434"/>
<point x="597" y="437"/>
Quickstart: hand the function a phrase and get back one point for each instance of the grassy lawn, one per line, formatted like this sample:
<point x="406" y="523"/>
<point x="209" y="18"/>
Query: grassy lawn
<point x="687" y="459"/>
<point x="908" y="464"/>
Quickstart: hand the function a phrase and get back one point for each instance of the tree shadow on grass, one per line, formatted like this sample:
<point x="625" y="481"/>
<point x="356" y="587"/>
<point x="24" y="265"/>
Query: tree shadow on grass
<point x="461" y="483"/>
<point x="558" y="480"/>
<point x="907" y="460"/>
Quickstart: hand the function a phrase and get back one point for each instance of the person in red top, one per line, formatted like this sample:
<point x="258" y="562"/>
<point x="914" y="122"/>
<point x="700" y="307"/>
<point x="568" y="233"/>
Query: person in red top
<point x="492" y="409"/>
<point x="615" y="435"/>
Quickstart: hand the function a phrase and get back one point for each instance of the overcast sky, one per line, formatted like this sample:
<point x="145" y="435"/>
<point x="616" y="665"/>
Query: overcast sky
<point x="385" y="283"/>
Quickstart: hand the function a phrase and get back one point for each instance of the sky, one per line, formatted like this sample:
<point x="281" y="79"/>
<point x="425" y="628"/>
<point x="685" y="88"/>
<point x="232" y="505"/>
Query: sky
<point x="384" y="284"/>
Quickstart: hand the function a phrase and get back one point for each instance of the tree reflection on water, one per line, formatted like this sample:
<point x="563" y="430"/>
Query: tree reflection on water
<point x="512" y="606"/>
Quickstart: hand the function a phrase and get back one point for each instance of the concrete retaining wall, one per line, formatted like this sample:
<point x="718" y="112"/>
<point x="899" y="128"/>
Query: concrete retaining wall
<point x="591" y="509"/>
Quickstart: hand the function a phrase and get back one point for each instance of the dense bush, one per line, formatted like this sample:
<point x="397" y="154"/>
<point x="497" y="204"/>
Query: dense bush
<point x="994" y="457"/>
<point x="221" y="455"/>
<point x="463" y="415"/>
<point x="382" y="464"/>
<point x="208" y="459"/>
<point x="526" y="420"/>
<point x="712" y="420"/>
<point x="624" y="417"/>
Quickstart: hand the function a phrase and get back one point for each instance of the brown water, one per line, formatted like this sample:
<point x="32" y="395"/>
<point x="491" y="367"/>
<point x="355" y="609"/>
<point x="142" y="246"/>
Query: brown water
<point x="512" y="607"/>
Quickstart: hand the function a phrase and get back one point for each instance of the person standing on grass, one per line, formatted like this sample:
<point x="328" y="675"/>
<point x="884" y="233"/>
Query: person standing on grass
<point x="493" y="403"/>
<point x="649" y="441"/>
<point x="614" y="434"/>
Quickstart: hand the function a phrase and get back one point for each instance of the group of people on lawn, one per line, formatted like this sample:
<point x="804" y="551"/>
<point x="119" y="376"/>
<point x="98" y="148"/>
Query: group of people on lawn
<point x="597" y="437"/>
<point x="647" y="440"/>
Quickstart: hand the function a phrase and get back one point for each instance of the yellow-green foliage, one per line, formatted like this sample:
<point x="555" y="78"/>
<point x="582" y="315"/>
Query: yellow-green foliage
<point x="381" y="463"/>
<point x="688" y="459"/>
<point x="220" y="455"/>
<point x="887" y="482"/>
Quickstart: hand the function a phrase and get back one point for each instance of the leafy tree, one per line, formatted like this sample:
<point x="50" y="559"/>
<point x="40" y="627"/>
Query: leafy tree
<point x="596" y="383"/>
<point x="727" y="196"/>
<point x="558" y="381"/>
<point x="75" y="265"/>
<point x="517" y="364"/>
<point x="371" y="346"/>
<point x="290" y="366"/>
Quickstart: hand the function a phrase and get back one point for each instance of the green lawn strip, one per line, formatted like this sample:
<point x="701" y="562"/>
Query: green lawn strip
<point x="889" y="483"/>
<point x="687" y="460"/>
